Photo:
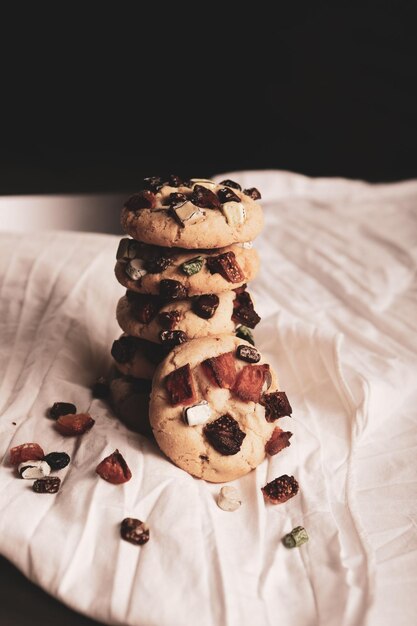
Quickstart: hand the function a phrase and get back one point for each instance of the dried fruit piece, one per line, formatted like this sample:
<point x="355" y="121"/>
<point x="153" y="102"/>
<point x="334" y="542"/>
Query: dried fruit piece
<point x="276" y="405"/>
<point x="243" y="332"/>
<point x="128" y="249"/>
<point x="205" y="306"/>
<point x="72" y="425"/>
<point x="204" y="198"/>
<point x="172" y="290"/>
<point x="169" y="319"/>
<point x="193" y="266"/>
<point x="221" y="370"/>
<point x="243" y="310"/>
<point x="230" y="183"/>
<point x="176" y="199"/>
<point x="252" y="193"/>
<point x="139" y="201"/>
<point x="100" y="388"/>
<point x="144" y="307"/>
<point x="227" y="195"/>
<point x="57" y="460"/>
<point x="61" y="408"/>
<point x="295" y="538"/>
<point x="134" y="531"/>
<point x="172" y="338"/>
<point x="180" y="386"/>
<point x="33" y="469"/>
<point x="226" y="265"/>
<point x="157" y="265"/>
<point x="123" y="349"/>
<point x="114" y="469"/>
<point x="278" y="441"/>
<point x="248" y="354"/>
<point x="153" y="183"/>
<point x="228" y="499"/>
<point x="26" y="452"/>
<point x="51" y="484"/>
<point x="197" y="414"/>
<point x="135" y="269"/>
<point x="224" y="435"/>
<point x="248" y="385"/>
<point x="280" y="489"/>
<point x="174" y="181"/>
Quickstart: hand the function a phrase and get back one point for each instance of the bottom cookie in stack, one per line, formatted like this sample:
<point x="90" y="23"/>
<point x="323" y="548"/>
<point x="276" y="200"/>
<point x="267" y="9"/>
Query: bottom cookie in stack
<point x="130" y="402"/>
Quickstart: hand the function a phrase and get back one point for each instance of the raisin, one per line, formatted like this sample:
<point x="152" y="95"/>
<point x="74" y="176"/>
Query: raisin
<point x="157" y="265"/>
<point x="249" y="382"/>
<point x="180" y="386"/>
<point x="227" y="195"/>
<point x="206" y="306"/>
<point x="50" y="484"/>
<point x="176" y="199"/>
<point x="123" y="349"/>
<point x="26" y="452"/>
<point x="153" y="183"/>
<point x="100" y="388"/>
<point x="172" y="338"/>
<point x="61" y="408"/>
<point x="168" y="319"/>
<point x="243" y="310"/>
<point x="224" y="435"/>
<point x="134" y="531"/>
<point x="280" y="489"/>
<point x="172" y="290"/>
<point x="139" y="201"/>
<point x="248" y="354"/>
<point x="57" y="460"/>
<point x="230" y="183"/>
<point x="174" y="181"/>
<point x="114" y="469"/>
<point x="221" y="370"/>
<point x="144" y="307"/>
<point x="78" y="424"/>
<point x="276" y="405"/>
<point x="278" y="441"/>
<point x="252" y="193"/>
<point x="204" y="198"/>
<point x="226" y="265"/>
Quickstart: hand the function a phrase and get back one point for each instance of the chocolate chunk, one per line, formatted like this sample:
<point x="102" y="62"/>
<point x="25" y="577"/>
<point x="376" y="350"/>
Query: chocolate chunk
<point x="252" y="193"/>
<point x="61" y="408"/>
<point x="169" y="319"/>
<point x="139" y="201"/>
<point x="231" y="183"/>
<point x="123" y="349"/>
<point x="204" y="198"/>
<point x="276" y="405"/>
<point x="226" y="265"/>
<point x="244" y="333"/>
<point x="157" y="265"/>
<point x="143" y="306"/>
<point x="172" y="338"/>
<point x="205" y="306"/>
<point x="180" y="386"/>
<point x="246" y="353"/>
<point x="224" y="435"/>
<point x="100" y="388"/>
<point x="176" y="199"/>
<point x="174" y="181"/>
<point x="50" y="484"/>
<point x="57" y="460"/>
<point x="134" y="531"/>
<point x="278" y="441"/>
<point x="172" y="290"/>
<point x="153" y="183"/>
<point x="280" y="489"/>
<point x="227" y="195"/>
<point x="243" y="310"/>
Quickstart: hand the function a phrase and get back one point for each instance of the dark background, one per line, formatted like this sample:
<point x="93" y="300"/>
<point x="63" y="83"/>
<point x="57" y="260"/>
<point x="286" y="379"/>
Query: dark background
<point x="94" y="103"/>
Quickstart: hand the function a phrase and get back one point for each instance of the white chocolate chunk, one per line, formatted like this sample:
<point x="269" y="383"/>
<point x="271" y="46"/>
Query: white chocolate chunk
<point x="189" y="213"/>
<point x="234" y="213"/>
<point x="135" y="269"/>
<point x="32" y="470"/>
<point x="197" y="414"/>
<point x="247" y="245"/>
<point x="228" y="499"/>
<point x="204" y="182"/>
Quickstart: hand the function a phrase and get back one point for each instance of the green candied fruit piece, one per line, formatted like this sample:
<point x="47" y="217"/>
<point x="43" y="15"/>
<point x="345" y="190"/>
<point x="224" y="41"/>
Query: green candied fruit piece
<point x="295" y="538"/>
<point x="193" y="266"/>
<point x="243" y="332"/>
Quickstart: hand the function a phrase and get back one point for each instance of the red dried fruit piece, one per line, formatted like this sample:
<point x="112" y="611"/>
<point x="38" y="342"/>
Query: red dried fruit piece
<point x="276" y="405"/>
<point x="221" y="370"/>
<point x="249" y="382"/>
<point x="72" y="425"/>
<point x="142" y="200"/>
<point x="227" y="195"/>
<point x="172" y="338"/>
<point x="204" y="198"/>
<point x="230" y="183"/>
<point x="168" y="320"/>
<point x="243" y="310"/>
<point x="114" y="469"/>
<point x="153" y="183"/>
<point x="278" y="441"/>
<point x="252" y="193"/>
<point x="280" y="489"/>
<point x="180" y="386"/>
<point x="172" y="290"/>
<point x="144" y="307"/>
<point x="224" y="435"/>
<point x="134" y="531"/>
<point x="26" y="452"/>
<point x="226" y="265"/>
<point x="205" y="306"/>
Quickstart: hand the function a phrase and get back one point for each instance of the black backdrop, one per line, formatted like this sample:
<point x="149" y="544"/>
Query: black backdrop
<point x="95" y="103"/>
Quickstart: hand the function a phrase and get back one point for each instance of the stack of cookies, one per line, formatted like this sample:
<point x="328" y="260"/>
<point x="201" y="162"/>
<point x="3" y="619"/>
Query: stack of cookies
<point x="186" y="320"/>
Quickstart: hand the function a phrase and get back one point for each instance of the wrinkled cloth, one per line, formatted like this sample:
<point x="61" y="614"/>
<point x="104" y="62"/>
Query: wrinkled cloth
<point x="337" y="295"/>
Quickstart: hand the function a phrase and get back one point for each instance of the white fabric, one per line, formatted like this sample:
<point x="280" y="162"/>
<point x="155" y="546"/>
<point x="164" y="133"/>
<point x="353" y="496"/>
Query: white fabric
<point x="337" y="294"/>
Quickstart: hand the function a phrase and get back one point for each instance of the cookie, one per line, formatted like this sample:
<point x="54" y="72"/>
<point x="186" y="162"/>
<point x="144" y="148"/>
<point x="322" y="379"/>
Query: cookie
<point x="214" y="408"/>
<point x="141" y="267"/>
<point x="137" y="357"/>
<point x="130" y="402"/>
<point x="175" y="322"/>
<point x="196" y="214"/>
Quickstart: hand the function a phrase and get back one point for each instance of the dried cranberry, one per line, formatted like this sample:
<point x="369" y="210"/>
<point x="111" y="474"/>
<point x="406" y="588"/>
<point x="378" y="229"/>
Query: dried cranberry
<point x="243" y="310"/>
<point x="157" y="264"/>
<point x="174" y="181"/>
<point x="172" y="290"/>
<point x="142" y="200"/>
<point x="134" y="531"/>
<point x="227" y="195"/>
<point x="61" y="408"/>
<point x="249" y="382"/>
<point x="221" y="370"/>
<point x="278" y="441"/>
<point x="276" y="405"/>
<point x="226" y="265"/>
<point x="206" y="306"/>
<point x="50" y="484"/>
<point x="280" y="489"/>
<point x="252" y="193"/>
<point x="153" y="183"/>
<point x="172" y="338"/>
<point x="248" y="354"/>
<point x="114" y="469"/>
<point x="204" y="198"/>
<point x="100" y="388"/>
<point x="180" y="386"/>
<point x="70" y="425"/>
<point x="231" y="183"/>
<point x="169" y="319"/>
<point x="26" y="452"/>
<point x="144" y="307"/>
<point x="123" y="349"/>
<point x="224" y="435"/>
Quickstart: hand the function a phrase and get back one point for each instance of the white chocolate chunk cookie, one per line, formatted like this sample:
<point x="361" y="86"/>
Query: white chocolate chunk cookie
<point x="192" y="214"/>
<point x="199" y="271"/>
<point x="241" y="392"/>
